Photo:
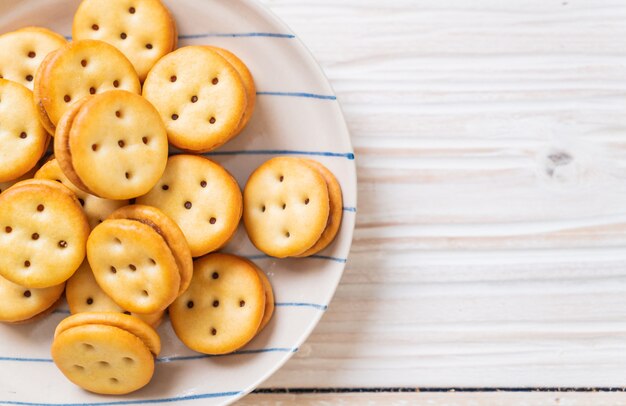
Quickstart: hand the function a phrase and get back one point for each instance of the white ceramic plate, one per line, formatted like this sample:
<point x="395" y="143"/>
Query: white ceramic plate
<point x="297" y="114"/>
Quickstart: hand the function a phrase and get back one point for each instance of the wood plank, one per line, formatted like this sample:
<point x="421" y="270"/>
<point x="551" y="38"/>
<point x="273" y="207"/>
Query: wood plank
<point x="491" y="144"/>
<point x="439" y="399"/>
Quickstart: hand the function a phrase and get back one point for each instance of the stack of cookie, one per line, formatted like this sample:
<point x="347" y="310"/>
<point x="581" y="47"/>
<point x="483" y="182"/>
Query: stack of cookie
<point x="113" y="220"/>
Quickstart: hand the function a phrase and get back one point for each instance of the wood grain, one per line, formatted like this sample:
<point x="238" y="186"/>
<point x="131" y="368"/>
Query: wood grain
<point x="490" y="248"/>
<point x="439" y="399"/>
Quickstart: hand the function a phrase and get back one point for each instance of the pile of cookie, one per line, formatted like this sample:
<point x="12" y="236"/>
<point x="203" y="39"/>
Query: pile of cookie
<point x="126" y="229"/>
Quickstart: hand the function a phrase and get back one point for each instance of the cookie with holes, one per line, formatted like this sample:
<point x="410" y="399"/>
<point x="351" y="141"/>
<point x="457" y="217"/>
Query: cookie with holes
<point x="43" y="232"/>
<point x="80" y="69"/>
<point x="133" y="264"/>
<point x="21" y="305"/>
<point x="169" y="230"/>
<point x="23" y="140"/>
<point x="335" y="215"/>
<point x="286" y="207"/>
<point x="143" y="30"/>
<point x="23" y="51"/>
<point x="96" y="208"/>
<point x="223" y="308"/>
<point x="106" y="353"/>
<point x="248" y="83"/>
<point x="114" y="127"/>
<point x="200" y="96"/>
<point x="84" y="295"/>
<point x="202" y="197"/>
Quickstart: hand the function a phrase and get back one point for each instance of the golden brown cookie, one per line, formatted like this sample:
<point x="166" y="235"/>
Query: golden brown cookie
<point x="20" y="304"/>
<point x="144" y="30"/>
<point x="336" y="209"/>
<point x="169" y="230"/>
<point x="79" y="69"/>
<point x="202" y="198"/>
<point x="43" y="232"/>
<point x="23" y="140"/>
<point x="286" y="207"/>
<point x="84" y="295"/>
<point x="134" y="265"/>
<point x="112" y="145"/>
<point x="22" y="51"/>
<point x="248" y="83"/>
<point x="223" y="308"/>
<point x="106" y="353"/>
<point x="200" y="96"/>
<point x="96" y="208"/>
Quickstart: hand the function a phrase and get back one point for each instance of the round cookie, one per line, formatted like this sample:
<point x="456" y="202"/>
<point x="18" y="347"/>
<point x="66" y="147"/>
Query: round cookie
<point x="143" y="30"/>
<point x="336" y="209"/>
<point x="105" y="353"/>
<point x="23" y="140"/>
<point x="112" y="145"/>
<point x="133" y="264"/>
<point x="96" y="208"/>
<point x="22" y="51"/>
<point x="202" y="198"/>
<point x="43" y="232"/>
<point x="286" y="207"/>
<point x="223" y="308"/>
<point x="248" y="83"/>
<point x="20" y="304"/>
<point x="84" y="295"/>
<point x="171" y="233"/>
<point x="200" y="96"/>
<point x="80" y="69"/>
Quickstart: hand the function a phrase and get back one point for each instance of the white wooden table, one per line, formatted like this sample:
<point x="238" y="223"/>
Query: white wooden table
<point x="490" y="250"/>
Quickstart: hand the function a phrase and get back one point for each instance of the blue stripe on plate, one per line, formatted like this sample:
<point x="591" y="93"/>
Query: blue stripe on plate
<point x="242" y="352"/>
<point x="347" y="155"/>
<point x="298" y="94"/>
<point x="301" y="304"/>
<point x="235" y="35"/>
<point x="61" y="311"/>
<point x="350" y="209"/>
<point x="130" y="402"/>
<point x="325" y="257"/>
<point x="328" y="258"/>
<point x="171" y="359"/>
<point x="25" y="359"/>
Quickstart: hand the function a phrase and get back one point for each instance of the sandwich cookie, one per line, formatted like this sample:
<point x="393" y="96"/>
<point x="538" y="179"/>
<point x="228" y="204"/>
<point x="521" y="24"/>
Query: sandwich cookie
<point x="106" y="353"/>
<point x="223" y="308"/>
<point x="112" y="145"/>
<point x="139" y="260"/>
<point x="286" y="207"/>
<point x="200" y="96"/>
